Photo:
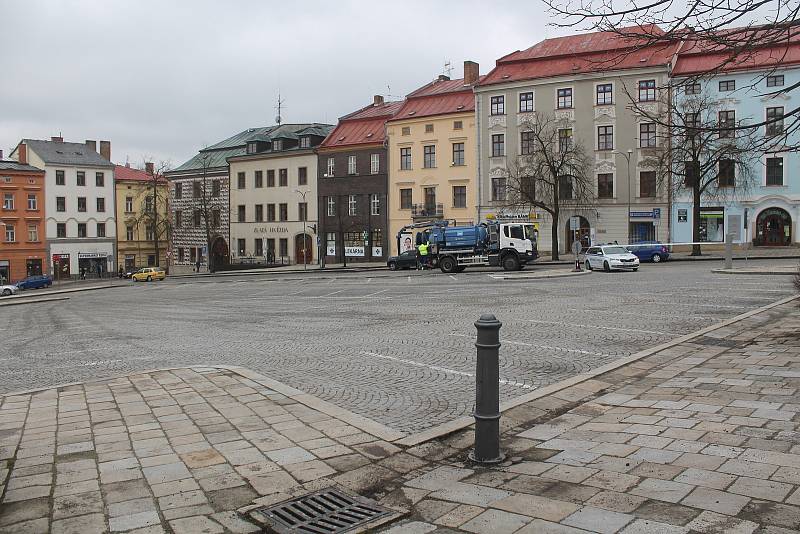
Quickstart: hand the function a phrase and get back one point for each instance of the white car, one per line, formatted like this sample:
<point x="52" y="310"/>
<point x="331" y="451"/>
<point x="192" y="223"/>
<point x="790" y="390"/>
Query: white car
<point x="7" y="290"/>
<point x="611" y="257"/>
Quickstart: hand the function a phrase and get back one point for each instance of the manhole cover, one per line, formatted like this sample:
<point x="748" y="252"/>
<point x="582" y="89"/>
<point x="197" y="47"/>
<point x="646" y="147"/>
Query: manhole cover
<point x="324" y="512"/>
<point x="716" y="342"/>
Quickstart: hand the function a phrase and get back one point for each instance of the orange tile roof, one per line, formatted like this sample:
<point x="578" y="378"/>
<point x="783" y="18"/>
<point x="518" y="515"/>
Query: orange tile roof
<point x="125" y="173"/>
<point x="362" y="127"/>
<point x="439" y="97"/>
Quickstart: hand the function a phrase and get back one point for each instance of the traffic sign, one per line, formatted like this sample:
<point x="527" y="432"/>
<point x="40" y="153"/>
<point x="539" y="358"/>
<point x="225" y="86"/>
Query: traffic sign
<point x="576" y="247"/>
<point x="656" y="213"/>
<point x="574" y="223"/>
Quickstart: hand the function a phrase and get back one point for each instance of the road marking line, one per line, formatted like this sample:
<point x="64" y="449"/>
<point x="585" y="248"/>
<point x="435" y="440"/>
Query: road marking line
<point x="453" y="277"/>
<point x="445" y="369"/>
<point x="369" y="280"/>
<point x="601" y="327"/>
<point x="682" y="316"/>
<point x="376" y="293"/>
<point x="547" y="347"/>
<point x="409" y="277"/>
<point x="74" y="351"/>
<point x="333" y="293"/>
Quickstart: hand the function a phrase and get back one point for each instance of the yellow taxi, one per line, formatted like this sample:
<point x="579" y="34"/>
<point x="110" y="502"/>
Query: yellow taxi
<point x="148" y="274"/>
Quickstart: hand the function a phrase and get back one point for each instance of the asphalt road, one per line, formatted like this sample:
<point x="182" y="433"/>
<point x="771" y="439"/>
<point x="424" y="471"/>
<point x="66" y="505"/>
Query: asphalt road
<point x="395" y="347"/>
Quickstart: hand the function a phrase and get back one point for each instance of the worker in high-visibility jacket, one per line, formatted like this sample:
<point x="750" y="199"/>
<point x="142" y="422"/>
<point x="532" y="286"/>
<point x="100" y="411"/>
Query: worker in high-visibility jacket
<point x="422" y="250"/>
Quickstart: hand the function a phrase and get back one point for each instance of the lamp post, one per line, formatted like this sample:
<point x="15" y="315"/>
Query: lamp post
<point x="305" y="236"/>
<point x="627" y="155"/>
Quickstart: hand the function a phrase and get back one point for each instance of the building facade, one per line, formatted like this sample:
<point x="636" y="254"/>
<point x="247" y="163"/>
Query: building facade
<point x="759" y="205"/>
<point x="142" y="217"/>
<point x="23" y="247"/>
<point x="79" y="204"/>
<point x="588" y="84"/>
<point x="432" y="147"/>
<point x="273" y="196"/>
<point x="352" y="186"/>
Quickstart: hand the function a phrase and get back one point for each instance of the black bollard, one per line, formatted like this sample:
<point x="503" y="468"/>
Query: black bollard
<point x="487" y="392"/>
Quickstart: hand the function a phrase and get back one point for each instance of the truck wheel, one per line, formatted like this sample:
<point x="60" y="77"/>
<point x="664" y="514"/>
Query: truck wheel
<point x="448" y="265"/>
<point x="511" y="263"/>
<point x="392" y="266"/>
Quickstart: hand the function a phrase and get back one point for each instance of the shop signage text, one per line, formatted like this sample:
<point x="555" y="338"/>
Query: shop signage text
<point x="354" y="252"/>
<point x="271" y="230"/>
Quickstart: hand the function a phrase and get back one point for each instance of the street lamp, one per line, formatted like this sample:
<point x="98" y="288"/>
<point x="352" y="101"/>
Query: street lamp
<point x="627" y="155"/>
<point x="305" y="236"/>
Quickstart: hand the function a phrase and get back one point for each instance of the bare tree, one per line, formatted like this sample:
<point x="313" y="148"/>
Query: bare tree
<point x="553" y="172"/>
<point x="208" y="192"/>
<point x="156" y="198"/>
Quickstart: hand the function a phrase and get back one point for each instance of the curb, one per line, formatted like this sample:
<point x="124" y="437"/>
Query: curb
<point x="751" y="272"/>
<point x="533" y="277"/>
<point x="26" y="301"/>
<point x="466" y="421"/>
<point x="70" y="290"/>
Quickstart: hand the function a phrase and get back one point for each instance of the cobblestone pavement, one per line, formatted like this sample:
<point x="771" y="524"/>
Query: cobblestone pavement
<point x="395" y="347"/>
<point x="703" y="437"/>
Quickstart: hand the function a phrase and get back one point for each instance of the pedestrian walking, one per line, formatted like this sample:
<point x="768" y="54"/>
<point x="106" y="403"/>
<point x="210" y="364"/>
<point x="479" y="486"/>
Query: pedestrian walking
<point x="197" y="266"/>
<point x="83" y="273"/>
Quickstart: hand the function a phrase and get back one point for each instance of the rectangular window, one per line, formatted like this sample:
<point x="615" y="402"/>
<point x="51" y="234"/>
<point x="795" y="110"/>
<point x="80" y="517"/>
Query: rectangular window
<point x="605" y="94"/>
<point x="727" y="122"/>
<point x="178" y="190"/>
<point x="33" y="233"/>
<point x="405" y="199"/>
<point x="216" y="218"/>
<point x="283" y="177"/>
<point x="331" y="167"/>
<point x="605" y="138"/>
<point x="647" y="91"/>
<point x="259" y="212"/>
<point x="647" y="135"/>
<point x="374" y="163"/>
<point x="727" y="173"/>
<point x="129" y="233"/>
<point x="32" y="203"/>
<point x="305" y="142"/>
<point x="692" y="89"/>
<point x="283" y="211"/>
<point x="196" y="193"/>
<point x="351" y="165"/>
<point x="99" y="179"/>
<point x="525" y="102"/>
<point x="241" y="180"/>
<point x="302" y="176"/>
<point x="727" y="85"/>
<point x="181" y="254"/>
<point x="374" y="204"/>
<point x="81" y="229"/>
<point x="271" y="212"/>
<point x="712" y="224"/>
<point x="564" y="139"/>
<point x="260" y="242"/>
<point x="148" y="204"/>
<point x="8" y="201"/>
<point x="81" y="178"/>
<point x="775" y="121"/>
<point x="60" y="180"/>
<point x="458" y="154"/>
<point x="774" y="171"/>
<point x="240" y="213"/>
<point x="128" y="204"/>
<point x="605" y="185"/>
<point x="429" y="156"/>
<point x="331" y="207"/>
<point x="271" y="178"/>
<point x="498" y="145"/>
<point x="405" y="158"/>
<point x="259" y="179"/>
<point x="498" y="188"/>
<point x="216" y="187"/>
<point x="775" y="81"/>
<point x="429" y="128"/>
<point x="564" y="98"/>
<point x="196" y="218"/>
<point x="101" y="205"/>
<point x="565" y="187"/>
<point x="101" y="230"/>
<point x="81" y="203"/>
<point x="61" y="204"/>
<point x="277" y="144"/>
<point x="302" y="211"/>
<point x="430" y="200"/>
<point x="10" y="234"/>
<point x="352" y="205"/>
<point x="284" y="247"/>
<point x="377" y="237"/>
<point x="647" y="184"/>
<point x="405" y="130"/>
<point x="178" y="218"/>
<point x="61" y="229"/>
<point x="498" y="105"/>
<point x="526" y="143"/>
<point x="240" y="247"/>
<point x="459" y="196"/>
<point x="458" y="125"/>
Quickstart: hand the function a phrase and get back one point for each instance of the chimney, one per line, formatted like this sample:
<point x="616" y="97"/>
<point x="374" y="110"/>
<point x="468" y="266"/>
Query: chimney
<point x="148" y="167"/>
<point x="105" y="149"/>
<point x="92" y="145"/>
<point x="57" y="139"/>
<point x="22" y="153"/>
<point x="377" y="100"/>
<point x="471" y="72"/>
<point x="443" y="78"/>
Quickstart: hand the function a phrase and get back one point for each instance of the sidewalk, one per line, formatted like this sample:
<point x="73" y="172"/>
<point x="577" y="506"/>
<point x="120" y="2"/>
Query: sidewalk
<point x="702" y="436"/>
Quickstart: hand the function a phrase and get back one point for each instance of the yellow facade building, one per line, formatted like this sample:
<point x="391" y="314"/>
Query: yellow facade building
<point x="432" y="156"/>
<point x="142" y="218"/>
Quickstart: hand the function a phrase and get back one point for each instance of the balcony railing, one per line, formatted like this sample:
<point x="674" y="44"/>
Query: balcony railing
<point x="427" y="210"/>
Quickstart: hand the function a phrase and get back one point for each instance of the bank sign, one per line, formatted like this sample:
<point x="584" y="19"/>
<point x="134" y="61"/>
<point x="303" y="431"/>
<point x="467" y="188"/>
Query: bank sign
<point x="354" y="252"/>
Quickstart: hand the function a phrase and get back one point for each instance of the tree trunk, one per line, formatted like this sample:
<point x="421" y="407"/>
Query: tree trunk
<point x="155" y="220"/>
<point x="554" y="236"/>
<point x="696" y="221"/>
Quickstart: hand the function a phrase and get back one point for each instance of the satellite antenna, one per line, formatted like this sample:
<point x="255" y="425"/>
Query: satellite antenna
<point x="278" y="107"/>
<point x="448" y="69"/>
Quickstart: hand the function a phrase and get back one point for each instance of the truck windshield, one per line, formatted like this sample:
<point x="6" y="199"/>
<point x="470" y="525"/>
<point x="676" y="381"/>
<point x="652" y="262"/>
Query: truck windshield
<point x="530" y="232"/>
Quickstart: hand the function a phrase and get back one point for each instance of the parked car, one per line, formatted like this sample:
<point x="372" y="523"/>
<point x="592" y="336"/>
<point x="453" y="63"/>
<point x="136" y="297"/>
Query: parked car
<point x="128" y="273"/>
<point x="650" y="251"/>
<point x="8" y="290"/>
<point x="406" y="260"/>
<point x="148" y="274"/>
<point x="611" y="257"/>
<point x="35" y="282"/>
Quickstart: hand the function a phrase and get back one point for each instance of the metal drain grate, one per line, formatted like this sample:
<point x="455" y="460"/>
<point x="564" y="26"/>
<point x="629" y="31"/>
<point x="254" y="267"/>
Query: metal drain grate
<point x="324" y="512"/>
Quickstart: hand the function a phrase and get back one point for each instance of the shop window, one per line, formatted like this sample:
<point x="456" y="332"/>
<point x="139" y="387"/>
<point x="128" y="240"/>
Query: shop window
<point x="712" y="224"/>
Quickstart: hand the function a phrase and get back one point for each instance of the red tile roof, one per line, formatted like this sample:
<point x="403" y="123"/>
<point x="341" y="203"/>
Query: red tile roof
<point x="125" y="173"/>
<point x="578" y="54"/>
<point x="439" y="97"/>
<point x="362" y="127"/>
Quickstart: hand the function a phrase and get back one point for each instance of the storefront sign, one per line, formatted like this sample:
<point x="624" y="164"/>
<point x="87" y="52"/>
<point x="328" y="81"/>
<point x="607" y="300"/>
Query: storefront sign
<point x="683" y="215"/>
<point x="354" y="252"/>
<point x="271" y="230"/>
<point x="406" y="242"/>
<point x="91" y="255"/>
<point x="642" y="214"/>
<point x="331" y="250"/>
<point x="377" y="251"/>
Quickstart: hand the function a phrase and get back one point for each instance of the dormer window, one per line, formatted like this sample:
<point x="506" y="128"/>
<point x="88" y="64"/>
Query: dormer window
<point x="252" y="147"/>
<point x="277" y="144"/>
<point x="305" y="142"/>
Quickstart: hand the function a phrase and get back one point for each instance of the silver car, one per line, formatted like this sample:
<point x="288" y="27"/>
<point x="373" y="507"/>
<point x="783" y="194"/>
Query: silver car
<point x="611" y="257"/>
<point x="7" y="290"/>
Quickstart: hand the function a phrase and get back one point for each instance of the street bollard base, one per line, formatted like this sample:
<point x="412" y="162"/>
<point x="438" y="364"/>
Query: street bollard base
<point x="492" y="461"/>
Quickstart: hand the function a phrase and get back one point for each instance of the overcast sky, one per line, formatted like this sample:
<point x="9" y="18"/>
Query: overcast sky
<point x="162" y="79"/>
